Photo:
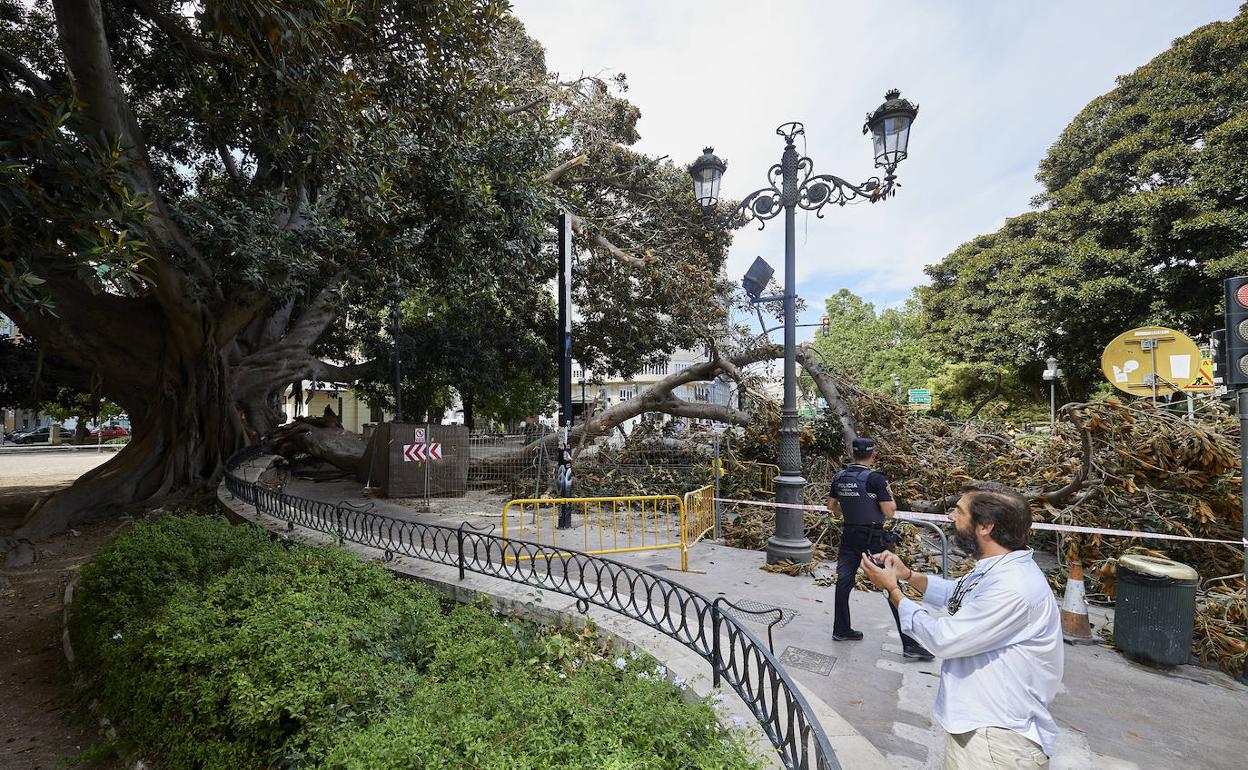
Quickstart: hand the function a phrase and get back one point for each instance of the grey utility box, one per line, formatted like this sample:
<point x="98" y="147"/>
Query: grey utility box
<point x="1155" y="610"/>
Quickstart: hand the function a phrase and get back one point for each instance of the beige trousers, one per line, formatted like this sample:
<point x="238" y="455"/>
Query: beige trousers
<point x="993" y="747"/>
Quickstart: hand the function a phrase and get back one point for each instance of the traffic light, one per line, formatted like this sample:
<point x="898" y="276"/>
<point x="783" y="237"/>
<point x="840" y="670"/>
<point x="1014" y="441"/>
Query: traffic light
<point x="1236" y="374"/>
<point x="1218" y="339"/>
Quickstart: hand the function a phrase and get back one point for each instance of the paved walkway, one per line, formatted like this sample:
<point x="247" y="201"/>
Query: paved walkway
<point x="1112" y="713"/>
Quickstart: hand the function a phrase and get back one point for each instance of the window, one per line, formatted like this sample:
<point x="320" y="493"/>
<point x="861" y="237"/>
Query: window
<point x="702" y="393"/>
<point x="374" y="414"/>
<point x="578" y="374"/>
<point x="626" y="394"/>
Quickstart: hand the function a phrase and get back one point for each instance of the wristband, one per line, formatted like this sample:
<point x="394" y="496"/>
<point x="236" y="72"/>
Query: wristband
<point x="907" y="578"/>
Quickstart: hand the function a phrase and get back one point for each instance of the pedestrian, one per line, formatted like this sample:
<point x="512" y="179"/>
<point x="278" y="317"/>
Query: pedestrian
<point x="862" y="496"/>
<point x="1001" y="641"/>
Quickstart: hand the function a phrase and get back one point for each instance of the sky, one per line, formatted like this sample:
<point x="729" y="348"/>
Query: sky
<point x="996" y="83"/>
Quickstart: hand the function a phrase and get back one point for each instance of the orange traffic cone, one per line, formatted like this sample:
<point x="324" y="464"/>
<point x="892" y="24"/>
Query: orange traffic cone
<point x="1075" y="625"/>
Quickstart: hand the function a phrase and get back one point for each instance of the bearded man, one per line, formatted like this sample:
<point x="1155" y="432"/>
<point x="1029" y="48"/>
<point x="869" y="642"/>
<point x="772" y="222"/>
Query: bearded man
<point x="1001" y="642"/>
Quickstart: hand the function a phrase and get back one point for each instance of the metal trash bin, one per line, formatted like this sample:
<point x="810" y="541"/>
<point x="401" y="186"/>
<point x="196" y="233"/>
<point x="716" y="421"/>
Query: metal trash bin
<point x="1155" y="610"/>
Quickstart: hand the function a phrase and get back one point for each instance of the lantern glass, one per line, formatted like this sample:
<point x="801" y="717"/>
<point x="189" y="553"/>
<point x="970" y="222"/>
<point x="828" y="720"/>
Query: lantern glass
<point x="706" y="185"/>
<point x="896" y="137"/>
<point x="706" y="172"/>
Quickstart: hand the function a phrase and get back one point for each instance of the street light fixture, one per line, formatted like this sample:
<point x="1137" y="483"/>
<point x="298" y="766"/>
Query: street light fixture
<point x="1052" y="374"/>
<point x="792" y="184"/>
<point x="897" y="386"/>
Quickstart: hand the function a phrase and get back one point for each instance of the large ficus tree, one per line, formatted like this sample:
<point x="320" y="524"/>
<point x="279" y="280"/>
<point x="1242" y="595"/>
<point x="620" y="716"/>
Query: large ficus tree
<point x="1144" y="211"/>
<point x="187" y="198"/>
<point x="200" y="198"/>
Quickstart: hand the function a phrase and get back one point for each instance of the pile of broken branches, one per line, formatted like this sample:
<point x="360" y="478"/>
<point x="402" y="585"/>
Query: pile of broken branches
<point x="1109" y="465"/>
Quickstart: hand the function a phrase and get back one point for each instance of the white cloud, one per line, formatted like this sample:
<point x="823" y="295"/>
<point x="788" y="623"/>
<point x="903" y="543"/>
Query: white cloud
<point x="997" y="83"/>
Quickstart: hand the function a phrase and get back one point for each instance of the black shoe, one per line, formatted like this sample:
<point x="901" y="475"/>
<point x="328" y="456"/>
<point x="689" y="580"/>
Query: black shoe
<point x="918" y="651"/>
<point x="849" y="636"/>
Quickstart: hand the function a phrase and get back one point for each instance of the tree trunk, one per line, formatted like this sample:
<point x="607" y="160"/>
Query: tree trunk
<point x="468" y="416"/>
<point x="824" y="381"/>
<point x="177" y="453"/>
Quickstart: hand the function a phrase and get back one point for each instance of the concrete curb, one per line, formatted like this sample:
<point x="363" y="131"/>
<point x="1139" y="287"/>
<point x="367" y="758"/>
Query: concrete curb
<point x="684" y="667"/>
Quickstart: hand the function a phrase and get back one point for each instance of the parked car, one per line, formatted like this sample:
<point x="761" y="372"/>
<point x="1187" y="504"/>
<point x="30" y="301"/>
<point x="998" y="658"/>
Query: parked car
<point x="37" y="436"/>
<point x="109" y="431"/>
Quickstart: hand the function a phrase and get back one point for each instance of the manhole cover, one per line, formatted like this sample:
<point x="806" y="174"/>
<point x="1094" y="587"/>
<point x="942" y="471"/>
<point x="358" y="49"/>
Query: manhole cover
<point x="757" y="612"/>
<point x="807" y="660"/>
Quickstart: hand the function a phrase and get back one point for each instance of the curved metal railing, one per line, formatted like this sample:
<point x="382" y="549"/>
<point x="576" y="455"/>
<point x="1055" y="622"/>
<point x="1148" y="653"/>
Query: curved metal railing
<point x="735" y="654"/>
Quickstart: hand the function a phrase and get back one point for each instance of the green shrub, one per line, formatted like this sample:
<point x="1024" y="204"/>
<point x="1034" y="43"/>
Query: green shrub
<point x="211" y="647"/>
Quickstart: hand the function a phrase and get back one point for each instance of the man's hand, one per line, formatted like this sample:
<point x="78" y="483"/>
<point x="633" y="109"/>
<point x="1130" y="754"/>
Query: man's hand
<point x="886" y="577"/>
<point x="893" y="561"/>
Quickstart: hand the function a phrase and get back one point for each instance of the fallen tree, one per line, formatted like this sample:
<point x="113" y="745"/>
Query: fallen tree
<point x="1110" y="464"/>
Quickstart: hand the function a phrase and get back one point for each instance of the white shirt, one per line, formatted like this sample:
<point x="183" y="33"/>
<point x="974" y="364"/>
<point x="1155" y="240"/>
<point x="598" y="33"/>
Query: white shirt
<point x="1002" y="651"/>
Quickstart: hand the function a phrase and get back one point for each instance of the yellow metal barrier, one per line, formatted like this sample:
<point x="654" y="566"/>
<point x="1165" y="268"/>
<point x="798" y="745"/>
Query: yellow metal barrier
<point x="603" y="524"/>
<point x="699" y="514"/>
<point x="766" y="476"/>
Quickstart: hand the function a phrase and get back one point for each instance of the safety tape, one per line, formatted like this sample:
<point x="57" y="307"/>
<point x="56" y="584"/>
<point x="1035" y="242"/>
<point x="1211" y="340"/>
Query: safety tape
<point x="942" y="518"/>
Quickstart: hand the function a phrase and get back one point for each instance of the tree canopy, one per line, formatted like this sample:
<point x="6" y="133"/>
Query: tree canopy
<point x="1144" y="212"/>
<point x="204" y="202"/>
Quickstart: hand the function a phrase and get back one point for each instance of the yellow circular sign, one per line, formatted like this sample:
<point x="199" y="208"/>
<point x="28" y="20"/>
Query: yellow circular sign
<point x="1151" y="360"/>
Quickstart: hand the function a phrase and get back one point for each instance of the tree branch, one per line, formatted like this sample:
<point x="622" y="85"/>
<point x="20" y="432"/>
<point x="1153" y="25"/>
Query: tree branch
<point x="231" y="168"/>
<point x="631" y="260"/>
<point x="348" y="373"/>
<point x="80" y="26"/>
<point x="557" y="173"/>
<point x="1059" y="496"/>
<point x="317" y="317"/>
<point x="515" y="110"/>
<point x="177" y="29"/>
<point x="37" y="84"/>
<point x="805" y="354"/>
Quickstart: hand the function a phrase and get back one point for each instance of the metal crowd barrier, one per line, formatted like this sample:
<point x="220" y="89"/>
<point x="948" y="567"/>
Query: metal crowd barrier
<point x="624" y="524"/>
<point x="737" y="657"/>
<point x="766" y="476"/>
<point x="699" y="514"/>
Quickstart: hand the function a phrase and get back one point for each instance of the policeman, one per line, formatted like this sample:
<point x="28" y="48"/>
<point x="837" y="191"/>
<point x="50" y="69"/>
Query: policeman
<point x="863" y="497"/>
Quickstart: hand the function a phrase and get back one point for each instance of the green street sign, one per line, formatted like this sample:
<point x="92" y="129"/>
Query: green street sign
<point x="920" y="399"/>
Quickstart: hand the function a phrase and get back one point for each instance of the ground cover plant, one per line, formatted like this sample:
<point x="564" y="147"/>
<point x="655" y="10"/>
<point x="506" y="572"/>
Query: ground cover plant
<point x="209" y="646"/>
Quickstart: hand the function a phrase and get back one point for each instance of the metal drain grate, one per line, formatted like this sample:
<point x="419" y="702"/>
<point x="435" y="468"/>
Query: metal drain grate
<point x="750" y="607"/>
<point x="808" y="660"/>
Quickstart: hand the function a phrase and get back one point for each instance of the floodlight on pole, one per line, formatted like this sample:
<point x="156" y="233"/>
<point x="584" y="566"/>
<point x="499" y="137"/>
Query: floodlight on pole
<point x="757" y="278"/>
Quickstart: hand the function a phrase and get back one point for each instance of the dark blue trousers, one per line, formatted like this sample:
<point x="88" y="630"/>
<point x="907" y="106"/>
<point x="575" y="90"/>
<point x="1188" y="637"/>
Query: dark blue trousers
<point x="855" y="541"/>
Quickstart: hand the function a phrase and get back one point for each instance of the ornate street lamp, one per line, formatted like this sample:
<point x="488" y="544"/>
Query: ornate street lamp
<point x="792" y="185"/>
<point x="1051" y="375"/>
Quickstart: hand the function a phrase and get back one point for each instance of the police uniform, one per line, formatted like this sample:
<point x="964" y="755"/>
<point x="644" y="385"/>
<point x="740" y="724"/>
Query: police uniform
<point x="859" y="491"/>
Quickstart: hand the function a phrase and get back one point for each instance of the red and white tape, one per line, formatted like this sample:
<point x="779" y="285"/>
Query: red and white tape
<point x="943" y="519"/>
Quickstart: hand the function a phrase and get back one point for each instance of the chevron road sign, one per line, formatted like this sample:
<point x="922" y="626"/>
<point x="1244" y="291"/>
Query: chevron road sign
<point x="420" y="452"/>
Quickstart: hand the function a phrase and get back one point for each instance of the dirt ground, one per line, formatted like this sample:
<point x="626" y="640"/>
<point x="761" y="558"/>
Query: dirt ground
<point x="37" y="728"/>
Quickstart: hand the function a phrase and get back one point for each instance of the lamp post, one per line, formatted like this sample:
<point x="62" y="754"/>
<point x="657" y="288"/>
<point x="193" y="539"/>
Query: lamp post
<point x="792" y="185"/>
<point x="1052" y="374"/>
<point x="897" y="386"/>
<point x="397" y="317"/>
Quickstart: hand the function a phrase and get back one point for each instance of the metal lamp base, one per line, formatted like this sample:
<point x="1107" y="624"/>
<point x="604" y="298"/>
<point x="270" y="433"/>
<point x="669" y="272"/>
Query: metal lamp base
<point x="796" y="551"/>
